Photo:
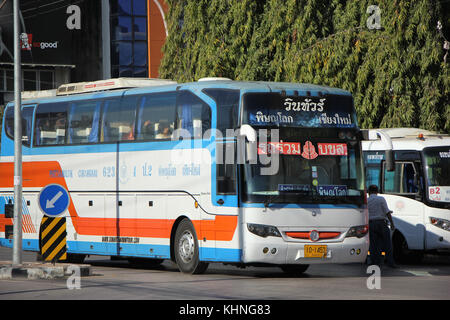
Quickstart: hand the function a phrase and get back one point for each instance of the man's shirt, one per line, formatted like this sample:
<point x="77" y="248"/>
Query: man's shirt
<point x="377" y="207"/>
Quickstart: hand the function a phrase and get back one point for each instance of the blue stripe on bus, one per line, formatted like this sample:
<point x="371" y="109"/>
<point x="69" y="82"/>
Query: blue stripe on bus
<point x="149" y="250"/>
<point x="114" y="147"/>
<point x="220" y="254"/>
<point x="128" y="249"/>
<point x="113" y="249"/>
<point x="27" y="244"/>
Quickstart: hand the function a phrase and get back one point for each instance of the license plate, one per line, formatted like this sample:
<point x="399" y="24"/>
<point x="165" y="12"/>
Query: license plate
<point x="315" y="251"/>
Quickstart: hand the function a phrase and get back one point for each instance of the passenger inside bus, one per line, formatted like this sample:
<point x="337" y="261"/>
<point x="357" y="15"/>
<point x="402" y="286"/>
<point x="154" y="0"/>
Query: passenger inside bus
<point x="51" y="129"/>
<point x="127" y="132"/>
<point x="164" y="131"/>
<point x="147" y="130"/>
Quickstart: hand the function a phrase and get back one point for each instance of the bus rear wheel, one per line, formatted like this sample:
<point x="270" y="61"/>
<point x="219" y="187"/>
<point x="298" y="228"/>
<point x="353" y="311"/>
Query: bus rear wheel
<point x="294" y="269"/>
<point x="186" y="249"/>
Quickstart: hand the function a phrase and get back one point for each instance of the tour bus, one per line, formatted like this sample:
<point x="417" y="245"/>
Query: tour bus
<point x="417" y="189"/>
<point x="242" y="173"/>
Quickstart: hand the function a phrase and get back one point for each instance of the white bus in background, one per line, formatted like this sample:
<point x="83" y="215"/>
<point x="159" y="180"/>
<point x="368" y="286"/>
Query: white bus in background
<point x="417" y="190"/>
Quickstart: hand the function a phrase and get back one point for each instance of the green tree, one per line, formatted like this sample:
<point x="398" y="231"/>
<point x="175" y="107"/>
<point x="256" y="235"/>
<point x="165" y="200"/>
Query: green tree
<point x="397" y="74"/>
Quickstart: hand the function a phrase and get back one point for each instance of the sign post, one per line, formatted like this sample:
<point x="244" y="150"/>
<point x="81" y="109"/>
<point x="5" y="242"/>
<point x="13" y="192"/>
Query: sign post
<point x="17" y="229"/>
<point x="53" y="201"/>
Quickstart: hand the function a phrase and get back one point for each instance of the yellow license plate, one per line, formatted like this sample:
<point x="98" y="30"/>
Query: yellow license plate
<point x="315" y="251"/>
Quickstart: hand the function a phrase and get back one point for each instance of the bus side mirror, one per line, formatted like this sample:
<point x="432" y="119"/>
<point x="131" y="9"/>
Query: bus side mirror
<point x="374" y="134"/>
<point x="247" y="143"/>
<point x="390" y="164"/>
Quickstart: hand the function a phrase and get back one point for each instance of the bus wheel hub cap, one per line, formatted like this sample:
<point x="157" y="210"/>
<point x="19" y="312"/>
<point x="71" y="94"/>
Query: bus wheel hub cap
<point x="186" y="247"/>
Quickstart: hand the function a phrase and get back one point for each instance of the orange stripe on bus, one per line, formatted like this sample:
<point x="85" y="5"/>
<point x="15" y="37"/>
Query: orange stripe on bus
<point x="37" y="175"/>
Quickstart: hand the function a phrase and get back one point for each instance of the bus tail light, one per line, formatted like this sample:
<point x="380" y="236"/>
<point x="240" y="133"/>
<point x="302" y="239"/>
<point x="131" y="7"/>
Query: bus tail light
<point x="358" y="231"/>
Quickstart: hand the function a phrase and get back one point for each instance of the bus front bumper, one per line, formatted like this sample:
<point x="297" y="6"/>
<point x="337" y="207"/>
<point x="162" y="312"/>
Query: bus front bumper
<point x="273" y="250"/>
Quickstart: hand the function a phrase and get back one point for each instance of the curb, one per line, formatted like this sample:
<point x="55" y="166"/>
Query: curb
<point x="33" y="271"/>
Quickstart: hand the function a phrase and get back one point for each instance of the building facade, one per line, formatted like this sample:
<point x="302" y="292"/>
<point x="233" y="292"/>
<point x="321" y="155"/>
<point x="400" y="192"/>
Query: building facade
<point x="74" y="41"/>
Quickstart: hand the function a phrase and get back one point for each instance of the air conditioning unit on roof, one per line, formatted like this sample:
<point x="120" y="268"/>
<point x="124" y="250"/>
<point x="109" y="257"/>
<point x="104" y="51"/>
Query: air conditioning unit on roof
<point x="110" y="84"/>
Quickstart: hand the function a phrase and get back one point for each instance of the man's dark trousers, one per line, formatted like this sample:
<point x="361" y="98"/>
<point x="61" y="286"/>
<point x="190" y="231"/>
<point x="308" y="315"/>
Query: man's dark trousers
<point x="380" y="238"/>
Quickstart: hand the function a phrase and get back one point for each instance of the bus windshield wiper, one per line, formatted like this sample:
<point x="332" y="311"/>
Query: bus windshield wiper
<point x="271" y="198"/>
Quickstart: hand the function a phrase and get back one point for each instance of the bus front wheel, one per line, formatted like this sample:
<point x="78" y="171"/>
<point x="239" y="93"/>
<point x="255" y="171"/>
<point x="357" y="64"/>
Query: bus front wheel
<point x="186" y="249"/>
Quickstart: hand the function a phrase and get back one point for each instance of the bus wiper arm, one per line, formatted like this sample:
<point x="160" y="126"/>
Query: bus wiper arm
<point x="270" y="199"/>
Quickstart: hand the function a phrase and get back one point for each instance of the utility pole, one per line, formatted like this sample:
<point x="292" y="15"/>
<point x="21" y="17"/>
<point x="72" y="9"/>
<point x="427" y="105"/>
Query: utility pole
<point x="17" y="245"/>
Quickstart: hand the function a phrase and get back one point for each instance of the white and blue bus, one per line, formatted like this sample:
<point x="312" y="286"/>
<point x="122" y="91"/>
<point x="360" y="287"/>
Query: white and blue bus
<point x="152" y="172"/>
<point x="417" y="188"/>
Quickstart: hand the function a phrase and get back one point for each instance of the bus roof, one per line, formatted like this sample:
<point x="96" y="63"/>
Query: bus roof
<point x="409" y="139"/>
<point x="119" y="86"/>
<point x="301" y="88"/>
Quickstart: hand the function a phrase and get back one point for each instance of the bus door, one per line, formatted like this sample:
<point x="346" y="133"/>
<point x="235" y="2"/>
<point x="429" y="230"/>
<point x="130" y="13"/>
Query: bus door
<point x="220" y="224"/>
<point x="225" y="193"/>
<point x="402" y="191"/>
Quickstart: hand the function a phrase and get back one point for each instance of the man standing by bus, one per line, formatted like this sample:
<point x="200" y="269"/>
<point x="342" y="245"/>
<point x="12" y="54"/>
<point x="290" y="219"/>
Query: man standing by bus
<point x="380" y="236"/>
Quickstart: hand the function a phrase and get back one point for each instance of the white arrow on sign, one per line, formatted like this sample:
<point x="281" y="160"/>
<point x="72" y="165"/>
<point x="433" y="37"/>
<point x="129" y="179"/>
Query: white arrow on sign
<point x="50" y="203"/>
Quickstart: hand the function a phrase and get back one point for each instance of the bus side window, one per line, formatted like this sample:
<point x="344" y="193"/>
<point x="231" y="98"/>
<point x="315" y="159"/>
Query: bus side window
<point x="348" y="166"/>
<point x="401" y="180"/>
<point x="156" y="116"/>
<point x="27" y="120"/>
<point x="372" y="175"/>
<point x="225" y="172"/>
<point x="84" y="122"/>
<point x="227" y="102"/>
<point x="119" y="117"/>
<point x="193" y="115"/>
<point x="9" y="122"/>
<point x="50" y="124"/>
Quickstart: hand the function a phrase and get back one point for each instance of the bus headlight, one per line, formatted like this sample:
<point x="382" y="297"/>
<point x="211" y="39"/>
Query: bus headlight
<point x="358" y="231"/>
<point x="440" y="223"/>
<point x="263" y="230"/>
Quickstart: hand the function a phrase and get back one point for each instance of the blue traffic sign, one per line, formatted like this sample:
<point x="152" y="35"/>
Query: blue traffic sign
<point x="53" y="200"/>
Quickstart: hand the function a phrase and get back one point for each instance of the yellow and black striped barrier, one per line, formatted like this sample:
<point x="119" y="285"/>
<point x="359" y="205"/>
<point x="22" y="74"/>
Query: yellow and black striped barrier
<point x="52" y="239"/>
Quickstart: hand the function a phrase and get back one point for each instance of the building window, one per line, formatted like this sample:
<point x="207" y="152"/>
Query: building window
<point x="129" y="56"/>
<point x="46" y="80"/>
<point x="38" y="80"/>
<point x="32" y="80"/>
<point x="6" y="80"/>
<point x="2" y="81"/>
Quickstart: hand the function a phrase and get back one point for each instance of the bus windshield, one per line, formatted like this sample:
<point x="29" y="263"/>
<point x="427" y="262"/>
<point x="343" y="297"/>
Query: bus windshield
<point x="437" y="169"/>
<point x="320" y="158"/>
<point x="315" y="166"/>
